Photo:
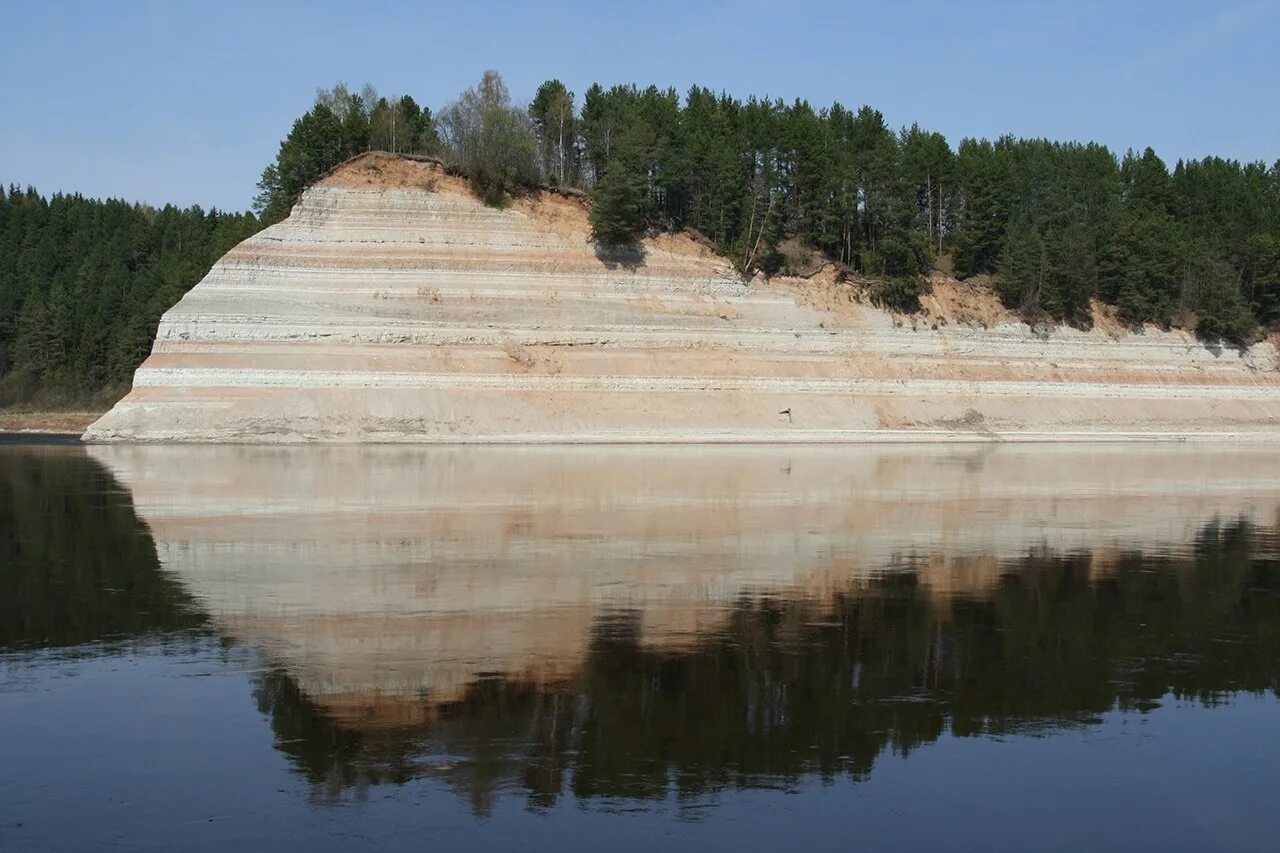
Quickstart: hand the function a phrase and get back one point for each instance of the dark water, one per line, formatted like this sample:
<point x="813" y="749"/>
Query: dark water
<point x="467" y="649"/>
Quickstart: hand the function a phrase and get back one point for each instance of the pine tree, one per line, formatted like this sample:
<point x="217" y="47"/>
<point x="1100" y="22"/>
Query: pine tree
<point x="620" y="199"/>
<point x="313" y="146"/>
<point x="79" y="277"/>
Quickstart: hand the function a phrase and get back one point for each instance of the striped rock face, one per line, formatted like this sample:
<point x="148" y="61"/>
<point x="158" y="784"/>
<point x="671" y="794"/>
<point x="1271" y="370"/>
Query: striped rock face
<point x="403" y="310"/>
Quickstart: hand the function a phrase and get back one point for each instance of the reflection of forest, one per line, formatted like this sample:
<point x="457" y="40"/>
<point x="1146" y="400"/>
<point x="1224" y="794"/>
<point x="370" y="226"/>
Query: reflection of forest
<point x="375" y="575"/>
<point x="795" y="686"/>
<point x="76" y="563"/>
<point x="782" y="685"/>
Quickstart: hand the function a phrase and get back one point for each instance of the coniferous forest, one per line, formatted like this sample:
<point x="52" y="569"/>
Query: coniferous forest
<point x="83" y="284"/>
<point x="1057" y="224"/>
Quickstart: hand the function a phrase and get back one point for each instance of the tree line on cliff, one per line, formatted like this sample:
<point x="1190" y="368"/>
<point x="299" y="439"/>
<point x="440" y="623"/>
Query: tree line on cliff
<point x="1057" y="224"/>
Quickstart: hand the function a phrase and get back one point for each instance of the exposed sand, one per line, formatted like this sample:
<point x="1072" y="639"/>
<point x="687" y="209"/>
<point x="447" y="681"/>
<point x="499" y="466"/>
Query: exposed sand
<point x="967" y="303"/>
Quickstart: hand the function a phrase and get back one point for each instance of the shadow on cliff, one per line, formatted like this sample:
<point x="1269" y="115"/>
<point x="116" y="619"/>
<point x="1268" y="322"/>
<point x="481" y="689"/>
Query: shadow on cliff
<point x="629" y="257"/>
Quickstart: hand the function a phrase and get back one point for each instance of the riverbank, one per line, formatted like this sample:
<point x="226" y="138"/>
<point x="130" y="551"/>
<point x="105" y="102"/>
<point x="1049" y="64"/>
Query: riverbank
<point x="47" y="423"/>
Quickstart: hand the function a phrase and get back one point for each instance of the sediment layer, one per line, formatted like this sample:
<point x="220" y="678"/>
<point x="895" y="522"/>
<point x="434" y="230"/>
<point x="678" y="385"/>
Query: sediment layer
<point x="407" y="311"/>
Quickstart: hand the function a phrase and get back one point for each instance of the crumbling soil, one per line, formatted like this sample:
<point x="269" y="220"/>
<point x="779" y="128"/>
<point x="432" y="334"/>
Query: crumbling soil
<point x="825" y="291"/>
<point x="562" y="214"/>
<point x="378" y="170"/>
<point x="972" y="302"/>
<point x="1106" y="320"/>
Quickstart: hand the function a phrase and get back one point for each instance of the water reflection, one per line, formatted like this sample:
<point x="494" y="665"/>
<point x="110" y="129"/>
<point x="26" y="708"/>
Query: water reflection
<point x="615" y="625"/>
<point x="793" y="686"/>
<point x="79" y="566"/>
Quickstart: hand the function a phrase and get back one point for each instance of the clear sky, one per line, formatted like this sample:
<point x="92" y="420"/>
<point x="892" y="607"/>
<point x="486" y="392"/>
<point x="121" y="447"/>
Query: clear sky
<point x="187" y="101"/>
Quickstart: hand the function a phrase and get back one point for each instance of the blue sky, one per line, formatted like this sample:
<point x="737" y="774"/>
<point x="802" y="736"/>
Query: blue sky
<point x="186" y="102"/>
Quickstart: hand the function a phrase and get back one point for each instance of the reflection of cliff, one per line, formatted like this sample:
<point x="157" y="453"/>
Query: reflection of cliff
<point x="612" y="624"/>
<point x="791" y="686"/>
<point x="619" y="625"/>
<point x="76" y="563"/>
<point x="379" y="576"/>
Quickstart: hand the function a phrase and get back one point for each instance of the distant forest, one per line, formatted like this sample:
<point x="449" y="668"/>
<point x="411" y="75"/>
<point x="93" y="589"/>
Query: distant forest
<point x="83" y="282"/>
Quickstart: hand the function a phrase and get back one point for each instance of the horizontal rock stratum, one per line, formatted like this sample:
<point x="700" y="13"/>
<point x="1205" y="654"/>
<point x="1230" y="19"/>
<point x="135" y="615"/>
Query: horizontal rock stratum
<point x="392" y="306"/>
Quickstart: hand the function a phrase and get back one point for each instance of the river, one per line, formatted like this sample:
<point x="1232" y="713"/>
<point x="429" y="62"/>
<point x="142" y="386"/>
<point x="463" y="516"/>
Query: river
<point x="961" y="647"/>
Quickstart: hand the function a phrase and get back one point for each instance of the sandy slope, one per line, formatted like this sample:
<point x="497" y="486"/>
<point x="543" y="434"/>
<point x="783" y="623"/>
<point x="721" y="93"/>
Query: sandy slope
<point x="393" y="306"/>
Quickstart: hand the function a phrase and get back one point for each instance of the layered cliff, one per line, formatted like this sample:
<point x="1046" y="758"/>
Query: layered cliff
<point x="393" y="306"/>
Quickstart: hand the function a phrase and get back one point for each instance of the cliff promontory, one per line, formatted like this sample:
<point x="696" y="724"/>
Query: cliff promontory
<point x="392" y="306"/>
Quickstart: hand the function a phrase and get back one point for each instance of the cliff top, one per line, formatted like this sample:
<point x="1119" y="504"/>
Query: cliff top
<point x="379" y="170"/>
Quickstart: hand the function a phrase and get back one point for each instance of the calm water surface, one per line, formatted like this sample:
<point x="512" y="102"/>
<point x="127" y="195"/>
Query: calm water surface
<point x="716" y="648"/>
